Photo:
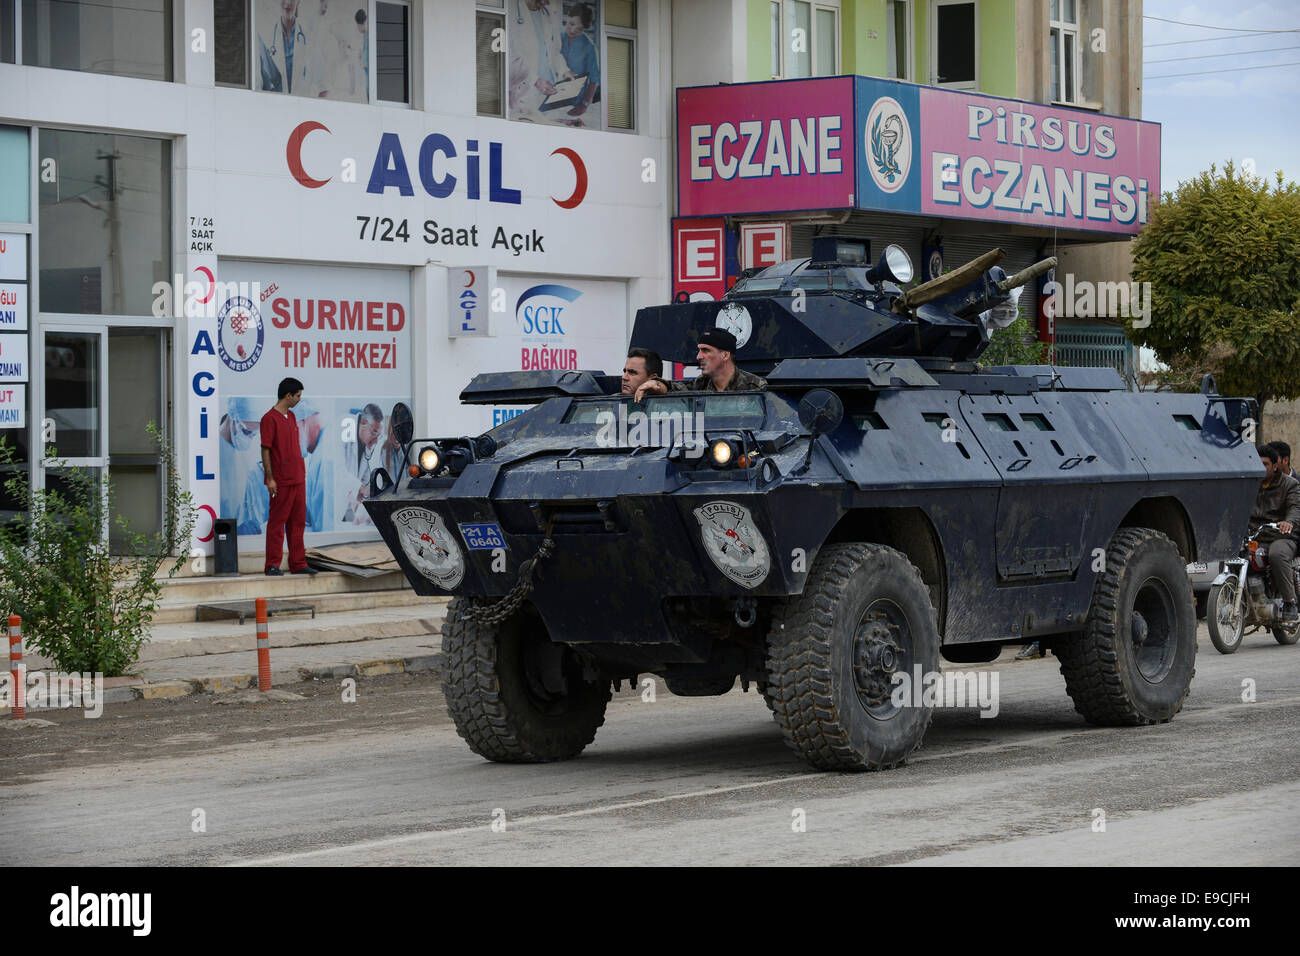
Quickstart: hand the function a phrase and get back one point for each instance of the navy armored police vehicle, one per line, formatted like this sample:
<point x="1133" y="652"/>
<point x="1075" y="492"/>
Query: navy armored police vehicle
<point x="885" y="501"/>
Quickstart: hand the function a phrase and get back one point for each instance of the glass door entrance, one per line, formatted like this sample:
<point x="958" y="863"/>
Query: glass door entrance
<point x="103" y="386"/>
<point x="76" y="395"/>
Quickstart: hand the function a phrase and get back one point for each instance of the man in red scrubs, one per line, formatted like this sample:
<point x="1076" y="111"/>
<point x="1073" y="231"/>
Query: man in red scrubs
<point x="286" y="480"/>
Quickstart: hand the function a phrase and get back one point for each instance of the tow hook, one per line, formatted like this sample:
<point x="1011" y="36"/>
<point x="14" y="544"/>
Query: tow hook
<point x="746" y="611"/>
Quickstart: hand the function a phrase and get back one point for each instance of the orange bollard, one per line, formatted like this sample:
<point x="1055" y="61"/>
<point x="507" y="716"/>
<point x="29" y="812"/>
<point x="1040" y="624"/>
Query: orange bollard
<point x="17" y="672"/>
<point x="263" y="648"/>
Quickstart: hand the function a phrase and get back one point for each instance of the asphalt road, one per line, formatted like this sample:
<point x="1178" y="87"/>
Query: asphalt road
<point x="385" y="780"/>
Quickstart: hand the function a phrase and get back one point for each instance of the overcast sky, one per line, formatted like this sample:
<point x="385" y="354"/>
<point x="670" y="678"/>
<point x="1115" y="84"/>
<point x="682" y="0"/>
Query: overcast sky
<point x="1209" y="117"/>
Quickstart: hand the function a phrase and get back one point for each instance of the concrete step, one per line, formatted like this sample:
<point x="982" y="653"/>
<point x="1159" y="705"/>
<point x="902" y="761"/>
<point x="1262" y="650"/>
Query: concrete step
<point x="167" y="641"/>
<point x="246" y="587"/>
<point x="250" y="562"/>
<point x="173" y="612"/>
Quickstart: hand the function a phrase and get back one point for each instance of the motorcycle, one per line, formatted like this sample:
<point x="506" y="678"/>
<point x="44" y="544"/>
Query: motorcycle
<point x="1243" y="594"/>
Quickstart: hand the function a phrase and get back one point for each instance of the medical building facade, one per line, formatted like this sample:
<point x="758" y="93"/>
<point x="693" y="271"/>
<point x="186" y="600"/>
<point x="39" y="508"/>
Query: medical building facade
<point x="199" y="198"/>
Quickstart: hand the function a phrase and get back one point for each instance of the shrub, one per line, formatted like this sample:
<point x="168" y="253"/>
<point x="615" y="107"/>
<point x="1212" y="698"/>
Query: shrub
<point x="81" y="606"/>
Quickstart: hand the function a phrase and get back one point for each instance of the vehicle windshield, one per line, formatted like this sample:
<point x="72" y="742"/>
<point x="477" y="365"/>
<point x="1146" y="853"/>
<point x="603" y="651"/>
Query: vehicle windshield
<point x="724" y="408"/>
<point x="795" y="274"/>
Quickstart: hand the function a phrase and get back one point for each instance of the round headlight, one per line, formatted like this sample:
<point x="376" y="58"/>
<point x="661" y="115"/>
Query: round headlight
<point x="721" y="452"/>
<point x="430" y="459"/>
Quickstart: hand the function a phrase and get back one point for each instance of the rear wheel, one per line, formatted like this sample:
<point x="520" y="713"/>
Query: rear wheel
<point x="514" y="695"/>
<point x="1134" y="661"/>
<point x="1226" y="622"/>
<point x="864" y="616"/>
<point x="1286" y="635"/>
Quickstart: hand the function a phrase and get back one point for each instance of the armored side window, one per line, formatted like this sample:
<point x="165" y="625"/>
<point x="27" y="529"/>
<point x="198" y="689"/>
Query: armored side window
<point x="998" y="422"/>
<point x="1189" y="422"/>
<point x="732" y="406"/>
<point x="937" y="419"/>
<point x="870" y="421"/>
<point x="1037" y="421"/>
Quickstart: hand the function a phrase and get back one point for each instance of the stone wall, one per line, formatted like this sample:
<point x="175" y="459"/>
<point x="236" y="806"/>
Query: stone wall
<point x="1282" y="420"/>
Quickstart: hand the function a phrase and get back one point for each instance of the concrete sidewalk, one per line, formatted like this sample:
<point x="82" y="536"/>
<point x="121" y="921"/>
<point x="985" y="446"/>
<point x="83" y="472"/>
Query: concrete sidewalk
<point x="217" y="656"/>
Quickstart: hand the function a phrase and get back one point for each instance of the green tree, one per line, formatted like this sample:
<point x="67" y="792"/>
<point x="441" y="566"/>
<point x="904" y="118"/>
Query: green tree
<point x="1014" y="344"/>
<point x="1222" y="254"/>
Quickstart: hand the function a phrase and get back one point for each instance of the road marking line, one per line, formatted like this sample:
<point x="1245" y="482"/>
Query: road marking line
<point x="920" y="757"/>
<point x="520" y="821"/>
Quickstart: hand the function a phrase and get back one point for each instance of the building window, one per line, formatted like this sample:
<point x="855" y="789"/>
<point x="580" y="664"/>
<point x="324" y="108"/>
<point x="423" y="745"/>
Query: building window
<point x="15" y="177"/>
<point x="490" y="60"/>
<point x="954" y="39"/>
<point x="104" y="221"/>
<point x="316" y="48"/>
<point x="393" y="52"/>
<point x="805" y="39"/>
<point x="898" y="39"/>
<point x="230" y="24"/>
<point x="8" y="32"/>
<point x="1065" y="50"/>
<point x="119" y="37"/>
<point x="620" y="64"/>
<point x="565" y="63"/>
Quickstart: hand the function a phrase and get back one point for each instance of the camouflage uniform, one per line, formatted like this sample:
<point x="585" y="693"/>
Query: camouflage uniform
<point x="741" y="381"/>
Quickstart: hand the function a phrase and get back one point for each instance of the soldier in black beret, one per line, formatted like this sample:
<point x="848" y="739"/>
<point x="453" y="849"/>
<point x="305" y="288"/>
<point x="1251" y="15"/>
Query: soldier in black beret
<point x="718" y="372"/>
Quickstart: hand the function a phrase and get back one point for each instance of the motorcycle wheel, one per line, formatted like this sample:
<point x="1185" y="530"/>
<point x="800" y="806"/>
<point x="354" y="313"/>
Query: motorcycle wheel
<point x="1226" y="629"/>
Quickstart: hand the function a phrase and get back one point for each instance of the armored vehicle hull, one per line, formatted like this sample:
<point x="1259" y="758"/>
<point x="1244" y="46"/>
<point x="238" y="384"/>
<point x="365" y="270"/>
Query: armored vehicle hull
<point x="937" y="508"/>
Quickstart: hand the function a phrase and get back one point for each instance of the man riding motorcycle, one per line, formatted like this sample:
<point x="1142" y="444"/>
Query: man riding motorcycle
<point x="1278" y="500"/>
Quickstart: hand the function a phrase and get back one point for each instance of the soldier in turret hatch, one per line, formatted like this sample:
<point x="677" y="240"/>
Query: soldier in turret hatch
<point x="718" y="373"/>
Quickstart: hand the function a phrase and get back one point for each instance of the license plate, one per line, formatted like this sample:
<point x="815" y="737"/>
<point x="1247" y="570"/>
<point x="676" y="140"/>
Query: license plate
<point x="483" y="536"/>
<point x="1198" y="567"/>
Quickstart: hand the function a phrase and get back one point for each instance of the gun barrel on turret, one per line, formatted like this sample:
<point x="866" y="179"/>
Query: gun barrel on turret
<point x="1024" y="276"/>
<point x="942" y="285"/>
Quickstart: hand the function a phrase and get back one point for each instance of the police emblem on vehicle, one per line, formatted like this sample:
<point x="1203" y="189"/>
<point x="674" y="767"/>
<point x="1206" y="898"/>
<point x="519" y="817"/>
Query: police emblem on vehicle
<point x="239" y="334"/>
<point x="734" y="318"/>
<point x="733" y="542"/>
<point x="429" y="546"/>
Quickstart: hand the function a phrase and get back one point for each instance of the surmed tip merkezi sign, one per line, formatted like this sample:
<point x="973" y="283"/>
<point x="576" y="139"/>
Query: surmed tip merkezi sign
<point x="864" y="143"/>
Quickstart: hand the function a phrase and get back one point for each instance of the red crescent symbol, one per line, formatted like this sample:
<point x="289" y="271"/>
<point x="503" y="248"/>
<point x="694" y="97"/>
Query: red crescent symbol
<point x="470" y="273"/>
<point x="293" y="153"/>
<point x="580" y="177"/>
<point x="213" y="515"/>
<point x="211" y="288"/>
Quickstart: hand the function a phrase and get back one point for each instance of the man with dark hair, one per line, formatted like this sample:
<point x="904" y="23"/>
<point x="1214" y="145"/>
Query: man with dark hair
<point x="1284" y="454"/>
<point x="1278" y="500"/>
<point x="641" y="366"/>
<point x="286" y="479"/>
<point x="718" y="372"/>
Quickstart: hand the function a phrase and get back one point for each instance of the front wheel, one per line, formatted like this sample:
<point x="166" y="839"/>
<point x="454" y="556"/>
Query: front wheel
<point x="514" y="695"/>
<point x="1226" y="622"/>
<point x="841" y="658"/>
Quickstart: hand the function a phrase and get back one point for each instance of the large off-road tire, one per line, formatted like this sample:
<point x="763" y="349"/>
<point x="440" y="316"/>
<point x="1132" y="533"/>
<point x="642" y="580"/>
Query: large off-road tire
<point x="1226" y="630"/>
<point x="496" y="696"/>
<point x="1133" y="664"/>
<point x="864" y="615"/>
